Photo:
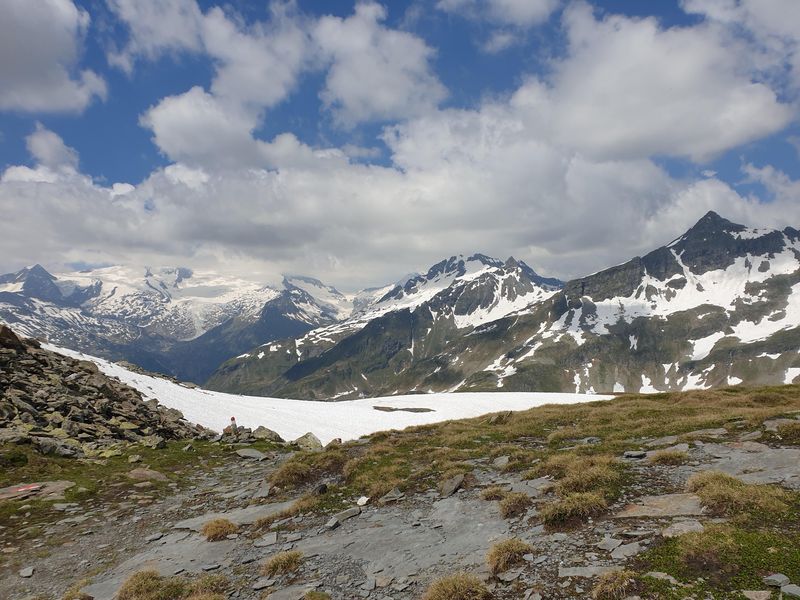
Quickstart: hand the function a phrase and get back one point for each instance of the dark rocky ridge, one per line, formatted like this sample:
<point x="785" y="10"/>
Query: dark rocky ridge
<point x="67" y="407"/>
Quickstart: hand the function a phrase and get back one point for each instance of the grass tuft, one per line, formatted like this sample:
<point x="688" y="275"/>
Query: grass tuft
<point x="614" y="585"/>
<point x="574" y="507"/>
<point x="459" y="586"/>
<point x="727" y="496"/>
<point x="494" y="492"/>
<point x="282" y="563"/>
<point x="669" y="457"/>
<point x="218" y="529"/>
<point x="506" y="554"/>
<point x="514" y="504"/>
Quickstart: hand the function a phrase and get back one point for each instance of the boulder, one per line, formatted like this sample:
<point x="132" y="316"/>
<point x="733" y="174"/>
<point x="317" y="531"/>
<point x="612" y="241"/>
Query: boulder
<point x="262" y="433"/>
<point x="309" y="442"/>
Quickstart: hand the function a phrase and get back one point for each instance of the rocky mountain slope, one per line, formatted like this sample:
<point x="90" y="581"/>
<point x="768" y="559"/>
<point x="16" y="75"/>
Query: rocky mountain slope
<point x="172" y="321"/>
<point x="718" y="306"/>
<point x="67" y="407"/>
<point x="411" y="328"/>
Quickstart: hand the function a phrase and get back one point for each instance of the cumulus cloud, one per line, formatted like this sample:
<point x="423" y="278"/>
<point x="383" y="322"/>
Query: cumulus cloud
<point x="40" y="47"/>
<point x="629" y="88"/>
<point x="560" y="172"/>
<point x="375" y="73"/>
<point x="774" y="27"/>
<point x="156" y="27"/>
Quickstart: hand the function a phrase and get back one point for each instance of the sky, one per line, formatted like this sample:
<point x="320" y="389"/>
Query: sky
<point x="359" y="141"/>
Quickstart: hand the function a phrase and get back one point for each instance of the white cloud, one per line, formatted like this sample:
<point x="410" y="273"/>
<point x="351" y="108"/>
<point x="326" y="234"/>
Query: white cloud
<point x="559" y="173"/>
<point x="773" y="24"/>
<point x="40" y="47"/>
<point x="48" y="149"/>
<point x="257" y="65"/>
<point x="522" y="13"/>
<point x="628" y="88"/>
<point x="156" y="27"/>
<point x="196" y="127"/>
<point x="375" y="73"/>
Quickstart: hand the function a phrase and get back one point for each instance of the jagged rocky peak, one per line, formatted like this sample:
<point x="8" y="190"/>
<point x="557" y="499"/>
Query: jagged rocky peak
<point x="713" y="243"/>
<point x="38" y="282"/>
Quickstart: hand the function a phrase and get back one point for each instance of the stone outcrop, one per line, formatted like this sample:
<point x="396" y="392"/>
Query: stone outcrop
<point x="67" y="407"/>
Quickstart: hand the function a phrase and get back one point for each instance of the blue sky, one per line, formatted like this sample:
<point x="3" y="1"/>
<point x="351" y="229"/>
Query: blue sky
<point x="358" y="141"/>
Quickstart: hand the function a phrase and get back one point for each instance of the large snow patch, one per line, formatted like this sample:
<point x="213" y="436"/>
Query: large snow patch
<point x="347" y="420"/>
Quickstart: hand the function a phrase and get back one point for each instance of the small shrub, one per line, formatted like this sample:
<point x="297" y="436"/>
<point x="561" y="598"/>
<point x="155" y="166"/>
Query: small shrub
<point x="514" y="504"/>
<point x="573" y="507"/>
<point x="614" y="585"/>
<point x="282" y="563"/>
<point x="668" y="457"/>
<point x="291" y="474"/>
<point x="149" y="585"/>
<point x="506" y="554"/>
<point x="460" y="586"/>
<point x="218" y="529"/>
<point x="494" y="492"/>
<point x="726" y="495"/>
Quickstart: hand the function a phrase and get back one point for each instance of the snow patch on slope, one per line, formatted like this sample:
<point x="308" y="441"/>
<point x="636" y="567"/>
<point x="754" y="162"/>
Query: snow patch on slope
<point x="347" y="420"/>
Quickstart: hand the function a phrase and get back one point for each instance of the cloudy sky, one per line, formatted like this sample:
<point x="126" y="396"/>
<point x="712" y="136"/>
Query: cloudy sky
<point x="359" y="141"/>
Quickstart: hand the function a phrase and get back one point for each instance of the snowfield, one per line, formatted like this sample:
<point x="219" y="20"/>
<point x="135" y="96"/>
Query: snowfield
<point x="347" y="420"/>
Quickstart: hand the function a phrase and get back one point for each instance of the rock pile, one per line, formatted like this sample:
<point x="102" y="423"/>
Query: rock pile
<point x="67" y="407"/>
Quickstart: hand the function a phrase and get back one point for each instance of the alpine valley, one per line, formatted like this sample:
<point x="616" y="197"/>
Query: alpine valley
<point x="718" y="306"/>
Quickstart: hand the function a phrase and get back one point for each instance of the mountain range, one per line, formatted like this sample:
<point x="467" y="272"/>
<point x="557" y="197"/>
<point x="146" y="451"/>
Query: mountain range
<point x="718" y="306"/>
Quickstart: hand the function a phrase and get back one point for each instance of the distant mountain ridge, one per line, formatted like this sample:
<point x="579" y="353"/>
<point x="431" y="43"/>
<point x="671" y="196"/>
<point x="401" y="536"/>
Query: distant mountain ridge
<point x="719" y="305"/>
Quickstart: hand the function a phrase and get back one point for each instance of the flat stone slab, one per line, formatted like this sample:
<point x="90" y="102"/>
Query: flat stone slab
<point x="455" y="531"/>
<point x="668" y="505"/>
<point x="753" y="462"/>
<point x="251" y="453"/>
<point x="240" y="516"/>
<point x="590" y="571"/>
<point x="41" y="489"/>
<point x="681" y="528"/>
<point x="178" y="552"/>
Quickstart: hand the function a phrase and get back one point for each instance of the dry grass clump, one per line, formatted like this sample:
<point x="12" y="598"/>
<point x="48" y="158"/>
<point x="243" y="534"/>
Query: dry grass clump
<point x="790" y="433"/>
<point x="506" y="554"/>
<point x="669" y="457"/>
<point x="494" y="492"/>
<point x="314" y="595"/>
<point x="706" y="551"/>
<point x="614" y="585"/>
<point x="149" y="585"/>
<point x="726" y="495"/>
<point x="573" y="507"/>
<point x="459" y="586"/>
<point x="304" y="504"/>
<point x="74" y="591"/>
<point x="218" y="529"/>
<point x="514" y="504"/>
<point x="291" y="474"/>
<point x="593" y="477"/>
<point x="282" y="563"/>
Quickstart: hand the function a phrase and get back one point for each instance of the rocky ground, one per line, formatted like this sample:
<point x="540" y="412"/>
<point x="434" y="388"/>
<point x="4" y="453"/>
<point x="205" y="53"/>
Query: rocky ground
<point x="66" y="407"/>
<point x="383" y="549"/>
